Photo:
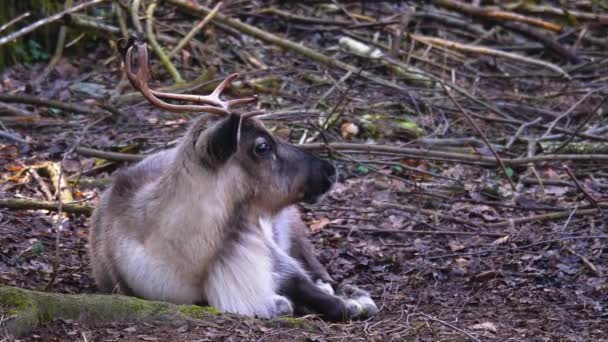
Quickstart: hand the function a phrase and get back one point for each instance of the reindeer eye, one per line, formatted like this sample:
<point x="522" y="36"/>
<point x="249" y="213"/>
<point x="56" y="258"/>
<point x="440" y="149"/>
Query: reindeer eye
<point x="262" y="148"/>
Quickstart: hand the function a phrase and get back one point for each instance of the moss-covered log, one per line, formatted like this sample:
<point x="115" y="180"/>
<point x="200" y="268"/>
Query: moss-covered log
<point x="24" y="310"/>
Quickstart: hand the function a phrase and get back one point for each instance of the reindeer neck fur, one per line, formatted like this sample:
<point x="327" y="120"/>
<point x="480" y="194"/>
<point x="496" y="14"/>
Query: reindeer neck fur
<point x="194" y="208"/>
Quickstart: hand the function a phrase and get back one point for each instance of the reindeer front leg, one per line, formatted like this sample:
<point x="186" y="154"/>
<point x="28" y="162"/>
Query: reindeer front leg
<point x="297" y="286"/>
<point x="241" y="280"/>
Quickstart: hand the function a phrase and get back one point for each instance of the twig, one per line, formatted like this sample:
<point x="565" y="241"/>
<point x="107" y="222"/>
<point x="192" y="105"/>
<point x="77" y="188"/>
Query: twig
<point x="31" y="204"/>
<point x="542" y="217"/>
<point x="283" y="43"/>
<point x="520" y="130"/>
<point x="36" y="101"/>
<point x="451" y="326"/>
<point x="114" y="32"/>
<point x="115" y="156"/>
<point x="58" y="49"/>
<point x="14" y="21"/>
<point x="416" y="153"/>
<point x="602" y="18"/>
<point x="546" y="41"/>
<point x="164" y="59"/>
<point x="195" y="30"/>
<point x="487" y="51"/>
<point x="496" y="13"/>
<point x="43" y="186"/>
<point x="585" y="261"/>
<point x="63" y="195"/>
<point x="122" y="21"/>
<point x="418" y="210"/>
<point x="570" y="110"/>
<point x="30" y="28"/>
<point x="12" y="137"/>
<point x="134" y="9"/>
<point x="580" y="126"/>
<point x="483" y="136"/>
<point x="14" y="111"/>
<point x="580" y="187"/>
<point x="414" y="232"/>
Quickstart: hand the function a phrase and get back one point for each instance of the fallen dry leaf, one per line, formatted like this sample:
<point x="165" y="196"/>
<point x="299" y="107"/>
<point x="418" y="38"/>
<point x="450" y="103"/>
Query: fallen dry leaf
<point x="487" y="326"/>
<point x="455" y="246"/>
<point x="501" y="240"/>
<point x="349" y="130"/>
<point x="319" y="224"/>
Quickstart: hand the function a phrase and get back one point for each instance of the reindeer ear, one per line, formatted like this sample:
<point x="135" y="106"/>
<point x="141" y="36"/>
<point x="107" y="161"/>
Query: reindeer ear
<point x="223" y="140"/>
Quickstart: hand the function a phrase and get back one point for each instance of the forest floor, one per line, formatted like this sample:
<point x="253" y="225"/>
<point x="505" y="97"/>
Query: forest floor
<point x="447" y="247"/>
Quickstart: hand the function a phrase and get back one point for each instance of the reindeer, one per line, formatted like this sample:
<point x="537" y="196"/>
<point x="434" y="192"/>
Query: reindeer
<point x="213" y="221"/>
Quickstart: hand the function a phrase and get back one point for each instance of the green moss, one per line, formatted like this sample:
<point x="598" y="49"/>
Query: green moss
<point x="15" y="300"/>
<point x="198" y="312"/>
<point x="294" y="322"/>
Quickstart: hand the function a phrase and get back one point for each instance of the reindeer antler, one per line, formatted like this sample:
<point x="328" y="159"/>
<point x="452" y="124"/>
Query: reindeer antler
<point x="140" y="82"/>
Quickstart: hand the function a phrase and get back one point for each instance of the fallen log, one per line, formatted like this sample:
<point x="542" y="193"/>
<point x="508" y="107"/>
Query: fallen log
<point x="22" y="311"/>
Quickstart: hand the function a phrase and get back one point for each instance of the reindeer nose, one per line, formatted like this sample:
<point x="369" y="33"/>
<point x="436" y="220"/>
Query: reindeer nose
<point x="329" y="171"/>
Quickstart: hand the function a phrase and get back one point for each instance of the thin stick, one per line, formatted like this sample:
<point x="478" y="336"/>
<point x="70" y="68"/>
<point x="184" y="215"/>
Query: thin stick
<point x="480" y="132"/>
<point x="544" y="217"/>
<point x="487" y="51"/>
<point x="580" y="187"/>
<point x="156" y="47"/>
<point x="134" y="9"/>
<point x="60" y="197"/>
<point x="37" y="101"/>
<point x="570" y="110"/>
<point x="415" y="153"/>
<point x="61" y="36"/>
<point x="195" y="30"/>
<point x="496" y="13"/>
<point x="12" y="137"/>
<point x="30" y="28"/>
<point x="32" y="204"/>
<point x="580" y="126"/>
<point x="284" y="43"/>
<point x="14" y="21"/>
<point x="451" y="326"/>
<point x="414" y="232"/>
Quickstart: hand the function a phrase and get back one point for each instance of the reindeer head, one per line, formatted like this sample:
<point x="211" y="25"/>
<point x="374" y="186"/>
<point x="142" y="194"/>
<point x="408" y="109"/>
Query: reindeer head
<point x="272" y="173"/>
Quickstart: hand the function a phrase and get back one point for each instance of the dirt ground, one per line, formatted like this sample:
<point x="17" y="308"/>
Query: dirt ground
<point x="432" y="240"/>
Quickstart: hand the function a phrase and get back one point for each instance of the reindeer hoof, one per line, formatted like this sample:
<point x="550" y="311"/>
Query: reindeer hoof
<point x="325" y="287"/>
<point x="358" y="302"/>
<point x="282" y="306"/>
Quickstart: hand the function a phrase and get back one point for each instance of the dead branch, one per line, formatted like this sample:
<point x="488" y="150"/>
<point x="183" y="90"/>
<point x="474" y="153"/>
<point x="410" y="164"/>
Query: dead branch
<point x="580" y="187"/>
<point x="559" y="12"/>
<point x="415" y="153"/>
<point x="451" y="326"/>
<point x="32" y="204"/>
<point x="481" y="134"/>
<point x="36" y="101"/>
<point x="548" y="42"/>
<point x="14" y="21"/>
<point x="164" y="59"/>
<point x="30" y="28"/>
<point x="413" y="232"/>
<point x="487" y="51"/>
<point x="283" y="43"/>
<point x="496" y="14"/>
<point x="134" y="11"/>
<point x="61" y="36"/>
<point x="188" y="37"/>
<point x="542" y="217"/>
<point x="6" y="109"/>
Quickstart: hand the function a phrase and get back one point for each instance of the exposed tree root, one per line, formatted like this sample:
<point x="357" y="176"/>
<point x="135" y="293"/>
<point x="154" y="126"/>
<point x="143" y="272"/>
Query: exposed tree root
<point x="21" y="310"/>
